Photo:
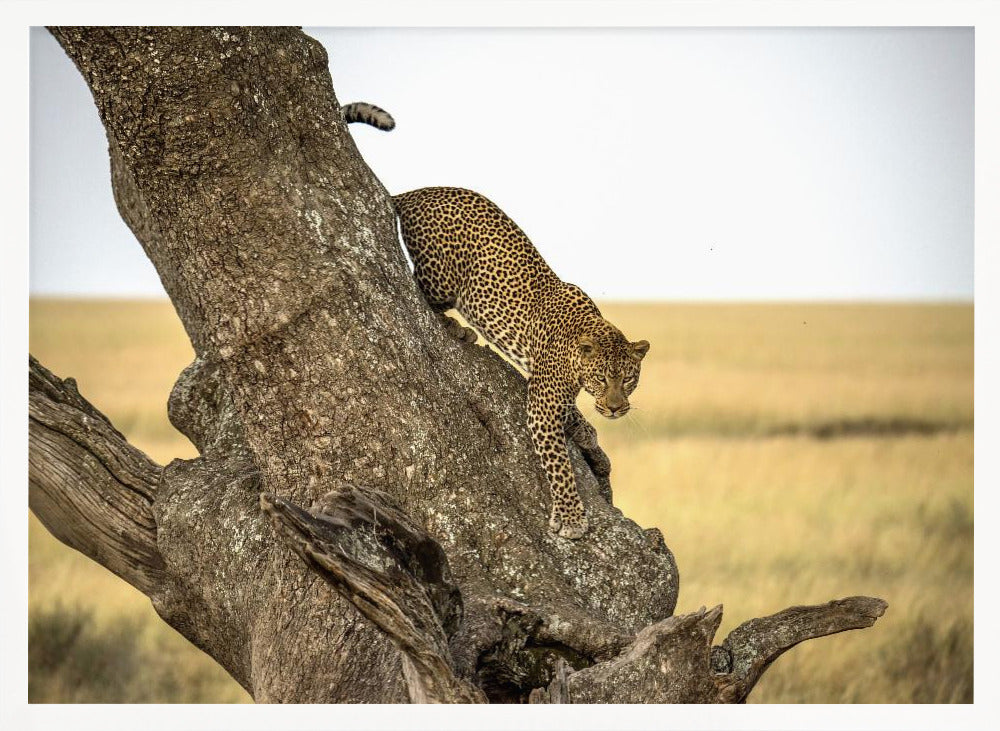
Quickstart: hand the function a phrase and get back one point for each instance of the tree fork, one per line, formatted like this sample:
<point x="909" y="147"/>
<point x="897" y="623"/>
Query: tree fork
<point x="395" y="464"/>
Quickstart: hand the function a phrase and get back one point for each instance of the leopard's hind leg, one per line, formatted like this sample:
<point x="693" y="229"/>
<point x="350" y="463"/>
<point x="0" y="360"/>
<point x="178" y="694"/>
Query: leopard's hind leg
<point x="441" y="305"/>
<point x="458" y="330"/>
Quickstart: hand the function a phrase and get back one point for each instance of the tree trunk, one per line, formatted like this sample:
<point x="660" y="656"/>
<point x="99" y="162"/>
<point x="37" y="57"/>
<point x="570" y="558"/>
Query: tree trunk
<point x="343" y="434"/>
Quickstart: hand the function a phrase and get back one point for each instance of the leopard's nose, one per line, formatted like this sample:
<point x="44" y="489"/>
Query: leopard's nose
<point x="616" y="402"/>
<point x="620" y="411"/>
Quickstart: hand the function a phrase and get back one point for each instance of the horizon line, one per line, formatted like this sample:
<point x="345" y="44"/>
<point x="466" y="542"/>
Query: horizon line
<point x="866" y="300"/>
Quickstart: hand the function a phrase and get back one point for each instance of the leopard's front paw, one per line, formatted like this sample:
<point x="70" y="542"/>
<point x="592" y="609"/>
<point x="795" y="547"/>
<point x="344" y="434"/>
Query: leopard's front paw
<point x="568" y="527"/>
<point x="555" y="523"/>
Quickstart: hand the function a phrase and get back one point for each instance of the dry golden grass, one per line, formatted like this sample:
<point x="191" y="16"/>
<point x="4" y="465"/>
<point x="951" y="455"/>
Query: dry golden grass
<point x="115" y="648"/>
<point x="717" y="453"/>
<point x="761" y="524"/>
<point x="125" y="356"/>
<point x="752" y="369"/>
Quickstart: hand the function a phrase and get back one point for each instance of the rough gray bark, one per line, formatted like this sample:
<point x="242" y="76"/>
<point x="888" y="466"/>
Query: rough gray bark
<point x="343" y="435"/>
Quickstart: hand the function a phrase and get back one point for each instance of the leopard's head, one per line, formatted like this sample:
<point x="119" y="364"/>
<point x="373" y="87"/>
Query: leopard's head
<point x="607" y="365"/>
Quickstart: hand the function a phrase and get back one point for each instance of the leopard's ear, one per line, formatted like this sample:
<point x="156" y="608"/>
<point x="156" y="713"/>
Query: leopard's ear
<point x="639" y="349"/>
<point x="587" y="347"/>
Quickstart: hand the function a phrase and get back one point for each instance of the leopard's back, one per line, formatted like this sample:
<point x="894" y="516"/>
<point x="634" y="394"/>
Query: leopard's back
<point x="468" y="254"/>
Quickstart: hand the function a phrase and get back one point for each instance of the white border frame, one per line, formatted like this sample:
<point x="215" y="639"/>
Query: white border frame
<point x="17" y="17"/>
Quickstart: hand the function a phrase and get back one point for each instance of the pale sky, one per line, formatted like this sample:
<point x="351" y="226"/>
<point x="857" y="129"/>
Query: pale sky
<point x="730" y="164"/>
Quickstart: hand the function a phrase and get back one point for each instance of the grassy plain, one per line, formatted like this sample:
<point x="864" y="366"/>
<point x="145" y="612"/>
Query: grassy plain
<point x="790" y="453"/>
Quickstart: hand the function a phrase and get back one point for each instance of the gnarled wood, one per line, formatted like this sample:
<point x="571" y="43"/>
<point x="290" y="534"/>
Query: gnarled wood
<point x="673" y="661"/>
<point x="87" y="484"/>
<point x="398" y="577"/>
<point x="393" y="572"/>
<point x="750" y="648"/>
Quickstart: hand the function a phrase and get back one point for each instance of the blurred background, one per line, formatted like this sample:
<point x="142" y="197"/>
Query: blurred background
<point x="785" y="214"/>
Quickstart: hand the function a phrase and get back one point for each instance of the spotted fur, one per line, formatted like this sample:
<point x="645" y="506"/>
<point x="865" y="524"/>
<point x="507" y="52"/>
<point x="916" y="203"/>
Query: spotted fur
<point x="468" y="255"/>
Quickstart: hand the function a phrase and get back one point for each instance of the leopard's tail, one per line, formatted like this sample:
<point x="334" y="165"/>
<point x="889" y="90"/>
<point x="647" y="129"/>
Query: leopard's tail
<point x="369" y="114"/>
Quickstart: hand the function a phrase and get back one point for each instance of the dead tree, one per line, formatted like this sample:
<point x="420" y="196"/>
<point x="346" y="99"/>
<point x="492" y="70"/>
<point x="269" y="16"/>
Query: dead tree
<point x="366" y="520"/>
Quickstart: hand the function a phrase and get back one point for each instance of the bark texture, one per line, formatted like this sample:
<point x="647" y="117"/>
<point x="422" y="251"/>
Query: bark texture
<point x="366" y="520"/>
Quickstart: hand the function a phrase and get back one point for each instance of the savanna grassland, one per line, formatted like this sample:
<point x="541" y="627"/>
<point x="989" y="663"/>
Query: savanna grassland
<point x="790" y="453"/>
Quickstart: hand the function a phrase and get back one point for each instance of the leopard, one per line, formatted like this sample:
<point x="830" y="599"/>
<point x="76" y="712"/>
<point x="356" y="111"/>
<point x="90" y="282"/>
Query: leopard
<point x="470" y="257"/>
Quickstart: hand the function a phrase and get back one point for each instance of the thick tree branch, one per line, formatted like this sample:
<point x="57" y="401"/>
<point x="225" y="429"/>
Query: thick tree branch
<point x="673" y="661"/>
<point x="87" y="484"/>
<point x="750" y="648"/>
